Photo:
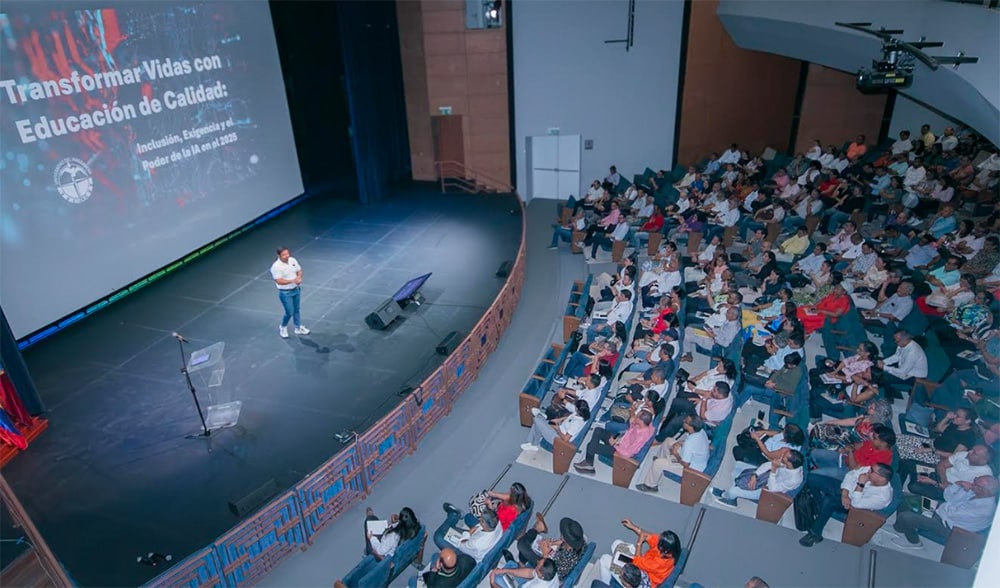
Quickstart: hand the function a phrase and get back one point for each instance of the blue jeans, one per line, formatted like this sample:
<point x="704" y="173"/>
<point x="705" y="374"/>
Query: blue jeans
<point x="450" y="521"/>
<point x="290" y="302"/>
<point x="560" y="233"/>
<point x="828" y="463"/>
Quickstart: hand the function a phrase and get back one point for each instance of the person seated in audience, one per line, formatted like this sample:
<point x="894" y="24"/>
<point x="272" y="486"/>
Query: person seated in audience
<point x="783" y="380"/>
<point x="781" y="476"/>
<point x="690" y="176"/>
<point x="722" y="335"/>
<point x="477" y="541"/>
<point x="839" y="207"/>
<point x="856" y="149"/>
<point x="966" y="505"/>
<point x="942" y="223"/>
<point x="655" y="554"/>
<point x="908" y="362"/>
<point x="564" y="233"/>
<point x="402" y="527"/>
<point x="565" y="552"/>
<point x="903" y="145"/>
<point x="758" y="446"/>
<point x="508" y="505"/>
<point x="605" y="241"/>
<point x="542" y="575"/>
<point x="923" y="255"/>
<point x="841" y="241"/>
<point x="667" y="306"/>
<point x="843" y="259"/>
<point x="793" y="246"/>
<point x="890" y="309"/>
<point x="953" y="433"/>
<point x="982" y="264"/>
<point x="713" y="164"/>
<point x="642" y="397"/>
<point x="772" y="339"/>
<point x="808" y="266"/>
<point x="967" y="241"/>
<point x="594" y="195"/>
<point x="870" y="282"/>
<point x="843" y="401"/>
<point x="596" y="357"/>
<point x="944" y="298"/>
<point x="618" y="285"/>
<point x="653" y="224"/>
<point x="620" y="311"/>
<point x="450" y="569"/>
<point x="629" y="577"/>
<point x="877" y="449"/>
<point x="605" y="442"/>
<point x="726" y="216"/>
<point x="769" y="287"/>
<point x="961" y="466"/>
<point x="566" y="427"/>
<point x="712" y="406"/>
<point x="606" y="224"/>
<point x="587" y="388"/>
<point x="613" y="177"/>
<point x="830" y="308"/>
<point x="857" y="267"/>
<point x="850" y="369"/>
<point x="692" y="452"/>
<point x="865" y="487"/>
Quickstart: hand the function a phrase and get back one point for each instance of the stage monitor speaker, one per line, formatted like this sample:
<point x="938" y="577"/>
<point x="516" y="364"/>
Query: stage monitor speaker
<point x="504" y="270"/>
<point x="255" y="499"/>
<point x="381" y="317"/>
<point x="449" y="343"/>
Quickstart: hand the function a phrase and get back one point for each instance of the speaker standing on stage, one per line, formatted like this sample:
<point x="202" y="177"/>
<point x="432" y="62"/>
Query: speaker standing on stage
<point x="287" y="274"/>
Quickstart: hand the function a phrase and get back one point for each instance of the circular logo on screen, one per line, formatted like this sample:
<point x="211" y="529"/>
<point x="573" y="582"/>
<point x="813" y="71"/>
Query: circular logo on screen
<point x="73" y="180"/>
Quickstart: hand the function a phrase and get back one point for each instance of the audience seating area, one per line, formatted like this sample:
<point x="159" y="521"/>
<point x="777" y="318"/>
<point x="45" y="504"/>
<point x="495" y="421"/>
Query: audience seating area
<point x="880" y="341"/>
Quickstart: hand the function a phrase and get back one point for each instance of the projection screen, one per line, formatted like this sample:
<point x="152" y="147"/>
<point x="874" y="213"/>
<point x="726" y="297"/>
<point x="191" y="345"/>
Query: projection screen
<point x="132" y="133"/>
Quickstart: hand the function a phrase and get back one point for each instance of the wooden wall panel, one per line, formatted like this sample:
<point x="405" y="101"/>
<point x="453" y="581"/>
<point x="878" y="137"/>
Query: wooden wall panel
<point x="732" y="94"/>
<point x="412" y="47"/>
<point x="834" y="111"/>
<point x="465" y="70"/>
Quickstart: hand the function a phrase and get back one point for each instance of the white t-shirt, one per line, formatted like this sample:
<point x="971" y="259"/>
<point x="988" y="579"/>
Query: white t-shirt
<point x="536" y="582"/>
<point x="696" y="450"/>
<point x="572" y="425"/>
<point x="285" y="271"/>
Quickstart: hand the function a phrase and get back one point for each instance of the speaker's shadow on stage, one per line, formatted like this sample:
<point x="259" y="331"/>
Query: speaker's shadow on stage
<point x="338" y="342"/>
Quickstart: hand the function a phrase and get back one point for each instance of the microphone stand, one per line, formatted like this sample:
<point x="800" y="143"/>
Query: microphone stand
<point x="205" y="432"/>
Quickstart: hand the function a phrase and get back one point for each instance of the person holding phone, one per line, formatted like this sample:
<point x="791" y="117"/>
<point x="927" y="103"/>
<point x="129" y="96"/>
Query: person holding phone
<point x="654" y="554"/>
<point x="287" y="275"/>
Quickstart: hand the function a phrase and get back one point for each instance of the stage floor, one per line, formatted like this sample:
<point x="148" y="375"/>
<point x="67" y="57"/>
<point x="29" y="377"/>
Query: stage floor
<point x="114" y="477"/>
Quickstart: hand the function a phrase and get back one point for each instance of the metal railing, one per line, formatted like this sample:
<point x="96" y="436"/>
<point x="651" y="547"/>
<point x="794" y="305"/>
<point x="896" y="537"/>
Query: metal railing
<point x="455" y="174"/>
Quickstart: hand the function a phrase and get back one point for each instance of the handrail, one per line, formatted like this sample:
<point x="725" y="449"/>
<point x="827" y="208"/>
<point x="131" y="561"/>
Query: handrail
<point x="464" y="173"/>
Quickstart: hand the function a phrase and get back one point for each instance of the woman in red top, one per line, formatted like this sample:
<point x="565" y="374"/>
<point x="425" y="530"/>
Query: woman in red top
<point x="831" y="307"/>
<point x="511" y="504"/>
<point x="657" y="560"/>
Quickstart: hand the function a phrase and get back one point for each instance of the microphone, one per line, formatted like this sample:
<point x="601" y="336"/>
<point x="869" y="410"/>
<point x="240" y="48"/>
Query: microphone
<point x="179" y="337"/>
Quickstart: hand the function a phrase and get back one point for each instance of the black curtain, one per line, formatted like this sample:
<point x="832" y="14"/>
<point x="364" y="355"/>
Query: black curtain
<point x="17" y="371"/>
<point x="373" y="72"/>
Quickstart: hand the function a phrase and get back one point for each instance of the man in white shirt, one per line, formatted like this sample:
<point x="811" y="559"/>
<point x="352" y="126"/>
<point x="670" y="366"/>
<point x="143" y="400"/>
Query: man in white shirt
<point x="731" y="155"/>
<point x="894" y="308"/>
<point x="915" y="174"/>
<point x="907" y="363"/>
<point x="542" y="575"/>
<point x="620" y="233"/>
<point x="566" y="427"/>
<point x="691" y="452"/>
<point x="903" y="145"/>
<point x="959" y="467"/>
<point x="613" y="177"/>
<point x="865" y="487"/>
<point x="948" y="140"/>
<point x="477" y="541"/>
<point x="781" y="476"/>
<point x="967" y="505"/>
<point x="287" y="275"/>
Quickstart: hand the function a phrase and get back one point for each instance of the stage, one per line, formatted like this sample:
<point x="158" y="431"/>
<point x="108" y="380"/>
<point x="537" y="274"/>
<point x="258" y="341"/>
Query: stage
<point x="114" y="476"/>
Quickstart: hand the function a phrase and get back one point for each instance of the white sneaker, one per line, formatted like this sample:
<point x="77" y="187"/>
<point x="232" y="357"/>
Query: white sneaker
<point x="528" y="447"/>
<point x="300" y="330"/>
<point x="537" y="412"/>
<point x="904" y="543"/>
<point x="283" y="331"/>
